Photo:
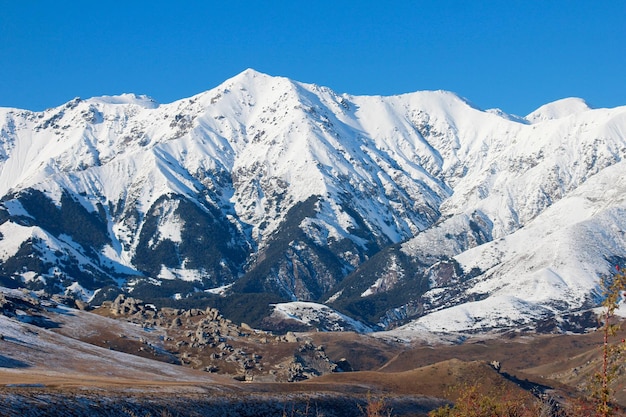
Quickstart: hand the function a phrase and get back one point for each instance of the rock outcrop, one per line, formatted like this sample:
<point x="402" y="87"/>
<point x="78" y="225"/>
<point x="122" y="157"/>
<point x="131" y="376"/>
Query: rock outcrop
<point x="204" y="339"/>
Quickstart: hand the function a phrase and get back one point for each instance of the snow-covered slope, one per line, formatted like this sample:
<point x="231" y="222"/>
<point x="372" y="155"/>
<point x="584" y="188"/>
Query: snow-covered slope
<point x="548" y="267"/>
<point x="318" y="316"/>
<point x="293" y="190"/>
<point x="532" y="232"/>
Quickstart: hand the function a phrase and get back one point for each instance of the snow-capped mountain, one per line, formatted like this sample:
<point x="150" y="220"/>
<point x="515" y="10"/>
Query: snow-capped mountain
<point x="389" y="209"/>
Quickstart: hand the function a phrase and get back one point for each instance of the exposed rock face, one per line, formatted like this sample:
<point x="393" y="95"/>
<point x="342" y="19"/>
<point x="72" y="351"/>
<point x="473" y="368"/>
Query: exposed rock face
<point x="19" y="305"/>
<point x="125" y="306"/>
<point x="204" y="339"/>
<point x="309" y="362"/>
<point x="25" y="306"/>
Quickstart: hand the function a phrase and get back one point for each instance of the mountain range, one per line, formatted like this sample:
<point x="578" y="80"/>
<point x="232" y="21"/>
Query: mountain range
<point x="287" y="205"/>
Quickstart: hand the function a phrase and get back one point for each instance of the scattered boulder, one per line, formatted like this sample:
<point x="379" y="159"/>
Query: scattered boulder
<point x="204" y="339"/>
<point x="342" y="365"/>
<point x="290" y="337"/>
<point x="125" y="306"/>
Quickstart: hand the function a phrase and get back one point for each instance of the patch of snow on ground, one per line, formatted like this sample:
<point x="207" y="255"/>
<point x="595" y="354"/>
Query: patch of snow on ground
<point x="184" y="274"/>
<point x="309" y="313"/>
<point x="372" y="289"/>
<point x="80" y="291"/>
<point x="219" y="290"/>
<point x="15" y="208"/>
<point x="30" y="276"/>
<point x="14" y="236"/>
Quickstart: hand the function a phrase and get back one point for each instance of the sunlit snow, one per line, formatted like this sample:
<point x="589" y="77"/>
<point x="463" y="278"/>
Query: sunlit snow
<point x="420" y="169"/>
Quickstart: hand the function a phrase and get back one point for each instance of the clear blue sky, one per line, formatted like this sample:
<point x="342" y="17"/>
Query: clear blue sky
<point x="514" y="55"/>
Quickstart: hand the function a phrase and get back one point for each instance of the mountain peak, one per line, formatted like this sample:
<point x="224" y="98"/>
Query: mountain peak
<point x="247" y="76"/>
<point x="288" y="189"/>
<point x="558" y="109"/>
<point x="253" y="84"/>
<point x="251" y="72"/>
